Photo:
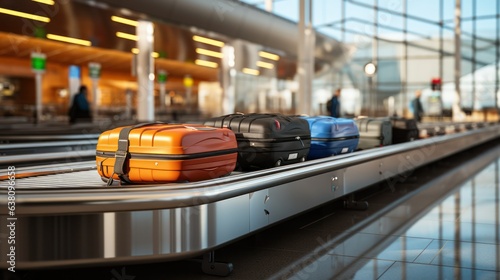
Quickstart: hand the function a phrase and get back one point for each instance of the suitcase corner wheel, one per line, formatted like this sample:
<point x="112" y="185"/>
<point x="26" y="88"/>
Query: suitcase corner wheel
<point x="279" y="162"/>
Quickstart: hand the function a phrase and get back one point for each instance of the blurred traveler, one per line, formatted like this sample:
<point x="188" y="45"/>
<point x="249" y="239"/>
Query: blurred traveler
<point x="333" y="105"/>
<point x="418" y="110"/>
<point x="80" y="109"/>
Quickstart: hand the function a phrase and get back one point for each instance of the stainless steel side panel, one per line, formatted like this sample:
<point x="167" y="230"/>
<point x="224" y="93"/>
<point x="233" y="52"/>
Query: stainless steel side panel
<point x="75" y="240"/>
<point x="293" y="198"/>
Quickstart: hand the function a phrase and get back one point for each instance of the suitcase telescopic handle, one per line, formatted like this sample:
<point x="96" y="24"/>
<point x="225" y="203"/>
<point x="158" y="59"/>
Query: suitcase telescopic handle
<point x="201" y="128"/>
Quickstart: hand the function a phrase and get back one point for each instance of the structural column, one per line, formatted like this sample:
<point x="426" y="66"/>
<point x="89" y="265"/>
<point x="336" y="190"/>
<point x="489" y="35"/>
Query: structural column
<point x="145" y="72"/>
<point x="497" y="61"/>
<point x="457" y="112"/>
<point x="305" y="67"/>
<point x="228" y="75"/>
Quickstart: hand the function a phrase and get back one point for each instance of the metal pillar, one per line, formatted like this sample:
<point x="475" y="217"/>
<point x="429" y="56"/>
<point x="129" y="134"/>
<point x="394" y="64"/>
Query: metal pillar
<point x="305" y="67"/>
<point x="343" y="40"/>
<point x="38" y="106"/>
<point x="145" y="71"/>
<point x="373" y="80"/>
<point x="128" y="102"/>
<point x="441" y="52"/>
<point x="163" y="93"/>
<point x="95" y="98"/>
<point x="405" y="60"/>
<point x="474" y="50"/>
<point x="269" y="5"/>
<point x="497" y="86"/>
<point x="228" y="78"/>
<point x="457" y="112"/>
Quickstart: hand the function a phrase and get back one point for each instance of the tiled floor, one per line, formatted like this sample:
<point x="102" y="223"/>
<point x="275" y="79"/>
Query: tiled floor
<point x="458" y="237"/>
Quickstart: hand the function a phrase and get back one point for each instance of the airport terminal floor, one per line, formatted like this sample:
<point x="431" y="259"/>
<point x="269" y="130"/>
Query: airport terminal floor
<point x="438" y="221"/>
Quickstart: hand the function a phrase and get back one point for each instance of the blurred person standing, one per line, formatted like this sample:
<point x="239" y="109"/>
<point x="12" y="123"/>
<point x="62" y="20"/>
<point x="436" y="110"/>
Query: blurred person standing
<point x="80" y="109"/>
<point x="418" y="110"/>
<point x="333" y="105"/>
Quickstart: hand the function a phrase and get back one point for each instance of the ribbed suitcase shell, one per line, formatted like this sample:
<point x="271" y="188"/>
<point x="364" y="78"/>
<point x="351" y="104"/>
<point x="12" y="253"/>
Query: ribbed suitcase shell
<point x="404" y="130"/>
<point x="169" y="153"/>
<point x="332" y="136"/>
<point x="267" y="140"/>
<point x="374" y="132"/>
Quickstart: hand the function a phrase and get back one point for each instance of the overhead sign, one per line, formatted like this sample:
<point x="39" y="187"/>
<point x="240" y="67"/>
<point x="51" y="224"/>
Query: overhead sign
<point x="162" y="76"/>
<point x="38" y="62"/>
<point x="94" y="70"/>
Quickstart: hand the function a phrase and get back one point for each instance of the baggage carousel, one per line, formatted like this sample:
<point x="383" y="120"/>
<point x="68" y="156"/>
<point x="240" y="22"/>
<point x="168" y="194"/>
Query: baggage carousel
<point x="65" y="216"/>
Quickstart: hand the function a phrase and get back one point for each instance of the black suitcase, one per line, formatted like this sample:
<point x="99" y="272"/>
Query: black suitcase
<point x="374" y="132"/>
<point x="404" y="130"/>
<point x="267" y="140"/>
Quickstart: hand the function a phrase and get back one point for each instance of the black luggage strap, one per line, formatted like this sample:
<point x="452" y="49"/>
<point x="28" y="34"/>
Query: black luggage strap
<point x="122" y="154"/>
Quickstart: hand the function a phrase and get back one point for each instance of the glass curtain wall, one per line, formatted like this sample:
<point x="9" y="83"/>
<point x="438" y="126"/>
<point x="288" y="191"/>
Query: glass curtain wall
<point x="412" y="43"/>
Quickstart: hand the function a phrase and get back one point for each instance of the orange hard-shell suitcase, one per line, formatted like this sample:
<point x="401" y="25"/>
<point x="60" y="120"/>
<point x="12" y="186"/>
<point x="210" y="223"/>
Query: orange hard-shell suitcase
<point x="149" y="153"/>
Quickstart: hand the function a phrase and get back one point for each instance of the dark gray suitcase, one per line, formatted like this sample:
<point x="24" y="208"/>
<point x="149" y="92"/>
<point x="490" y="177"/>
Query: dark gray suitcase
<point x="404" y="130"/>
<point x="267" y="140"/>
<point x="374" y="132"/>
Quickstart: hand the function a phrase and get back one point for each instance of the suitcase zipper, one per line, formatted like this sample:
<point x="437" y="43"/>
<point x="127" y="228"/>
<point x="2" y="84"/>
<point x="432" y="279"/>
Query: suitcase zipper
<point x="274" y="140"/>
<point x="335" y="139"/>
<point x="171" y="157"/>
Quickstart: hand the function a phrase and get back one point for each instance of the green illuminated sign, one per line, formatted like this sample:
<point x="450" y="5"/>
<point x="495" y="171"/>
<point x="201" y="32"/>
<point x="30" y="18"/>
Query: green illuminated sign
<point x="38" y="62"/>
<point x="162" y="77"/>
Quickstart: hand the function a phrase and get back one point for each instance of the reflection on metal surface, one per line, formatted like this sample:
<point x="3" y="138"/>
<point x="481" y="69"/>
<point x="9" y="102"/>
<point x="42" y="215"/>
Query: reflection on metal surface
<point x="435" y="233"/>
<point x="109" y="235"/>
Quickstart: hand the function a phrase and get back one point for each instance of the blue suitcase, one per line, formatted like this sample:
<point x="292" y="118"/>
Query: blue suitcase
<point x="332" y="136"/>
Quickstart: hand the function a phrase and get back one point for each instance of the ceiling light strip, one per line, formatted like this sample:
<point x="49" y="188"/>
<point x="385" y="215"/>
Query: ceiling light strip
<point x="24" y="15"/>
<point x="48" y="2"/>
<point x="127" y="36"/>
<point x="264" y="64"/>
<point x="208" y="41"/>
<point x="206" y="63"/>
<point x="271" y="56"/>
<point x="124" y="21"/>
<point x="208" y="53"/>
<point x="69" y="40"/>
<point x="250" y="71"/>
